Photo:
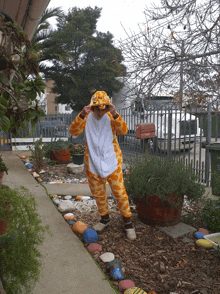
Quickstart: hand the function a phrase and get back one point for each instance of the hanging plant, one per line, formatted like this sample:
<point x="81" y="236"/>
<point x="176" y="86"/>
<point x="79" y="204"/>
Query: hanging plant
<point x="19" y="79"/>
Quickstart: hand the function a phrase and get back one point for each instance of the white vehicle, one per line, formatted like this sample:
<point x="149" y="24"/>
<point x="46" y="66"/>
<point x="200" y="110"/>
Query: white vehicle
<point x="174" y="129"/>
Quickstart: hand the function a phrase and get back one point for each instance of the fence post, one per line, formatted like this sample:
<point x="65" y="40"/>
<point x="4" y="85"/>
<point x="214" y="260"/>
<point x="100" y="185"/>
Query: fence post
<point x="208" y="141"/>
<point x="169" y="133"/>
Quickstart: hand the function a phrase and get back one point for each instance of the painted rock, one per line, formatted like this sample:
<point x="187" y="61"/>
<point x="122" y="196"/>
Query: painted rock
<point x="69" y="216"/>
<point x="204" y="243"/>
<point x="68" y="197"/>
<point x="39" y="180"/>
<point x="134" y="290"/>
<point x="82" y="197"/>
<point x="113" y="262"/>
<point x="125" y="284"/>
<point x="78" y="197"/>
<point x="23" y="157"/>
<point x="110" y="197"/>
<point x="94" y="247"/>
<point x="79" y="227"/>
<point x="86" y="198"/>
<point x="204" y="231"/>
<point x="35" y="175"/>
<point x="90" y="236"/>
<point x="53" y="195"/>
<point x="199" y="235"/>
<point x="29" y="165"/>
<point x="71" y="222"/>
<point x="107" y="257"/>
<point x="116" y="273"/>
<point x="56" y="201"/>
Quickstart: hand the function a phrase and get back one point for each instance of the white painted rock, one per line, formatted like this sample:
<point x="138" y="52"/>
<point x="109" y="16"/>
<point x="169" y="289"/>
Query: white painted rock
<point x="75" y="169"/>
<point x="56" y="201"/>
<point x="68" y="197"/>
<point x="65" y="206"/>
<point x="107" y="257"/>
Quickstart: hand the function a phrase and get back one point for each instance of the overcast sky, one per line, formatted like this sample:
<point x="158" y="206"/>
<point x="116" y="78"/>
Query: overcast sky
<point x="115" y="14"/>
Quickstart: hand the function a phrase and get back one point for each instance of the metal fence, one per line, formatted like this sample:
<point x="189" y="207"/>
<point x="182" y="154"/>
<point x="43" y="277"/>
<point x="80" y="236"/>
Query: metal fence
<point x="182" y="135"/>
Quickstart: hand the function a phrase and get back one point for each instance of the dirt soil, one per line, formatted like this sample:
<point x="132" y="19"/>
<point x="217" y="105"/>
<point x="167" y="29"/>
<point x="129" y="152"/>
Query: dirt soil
<point x="155" y="261"/>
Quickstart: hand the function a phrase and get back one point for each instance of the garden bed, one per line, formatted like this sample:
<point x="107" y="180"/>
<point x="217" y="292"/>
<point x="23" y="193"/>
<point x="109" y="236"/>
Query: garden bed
<point x="154" y="261"/>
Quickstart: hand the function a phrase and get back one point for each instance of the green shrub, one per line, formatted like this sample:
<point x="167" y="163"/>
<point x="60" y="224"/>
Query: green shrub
<point x="151" y="175"/>
<point x="211" y="214"/>
<point x="56" y="145"/>
<point x="19" y="255"/>
<point x="37" y="155"/>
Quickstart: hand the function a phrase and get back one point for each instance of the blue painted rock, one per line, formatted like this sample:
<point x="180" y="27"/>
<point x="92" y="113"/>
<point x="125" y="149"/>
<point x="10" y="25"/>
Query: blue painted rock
<point x="113" y="262"/>
<point x="134" y="290"/>
<point x="199" y="235"/>
<point x="29" y="165"/>
<point x="110" y="197"/>
<point x="115" y="269"/>
<point x="90" y="236"/>
<point x="94" y="247"/>
<point x="116" y="273"/>
<point x="125" y="284"/>
<point x="71" y="222"/>
<point x="204" y="243"/>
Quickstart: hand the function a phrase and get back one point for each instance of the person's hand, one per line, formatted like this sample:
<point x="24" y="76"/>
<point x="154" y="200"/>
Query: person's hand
<point x="111" y="109"/>
<point x="86" y="110"/>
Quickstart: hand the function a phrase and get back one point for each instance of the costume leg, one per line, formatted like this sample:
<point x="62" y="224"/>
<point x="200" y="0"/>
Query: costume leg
<point x="98" y="188"/>
<point x="118" y="190"/>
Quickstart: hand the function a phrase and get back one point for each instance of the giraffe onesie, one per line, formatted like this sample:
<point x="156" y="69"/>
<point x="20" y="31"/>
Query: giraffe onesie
<point x="103" y="159"/>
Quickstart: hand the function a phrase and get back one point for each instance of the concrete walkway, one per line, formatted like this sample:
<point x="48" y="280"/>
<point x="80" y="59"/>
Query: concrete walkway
<point x="67" y="266"/>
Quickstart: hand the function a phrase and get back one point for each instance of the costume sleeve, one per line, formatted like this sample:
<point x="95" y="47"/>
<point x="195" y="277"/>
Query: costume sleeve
<point x="77" y="126"/>
<point x="120" y="126"/>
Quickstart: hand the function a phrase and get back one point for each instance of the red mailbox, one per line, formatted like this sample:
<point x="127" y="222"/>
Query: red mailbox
<point x="145" y="131"/>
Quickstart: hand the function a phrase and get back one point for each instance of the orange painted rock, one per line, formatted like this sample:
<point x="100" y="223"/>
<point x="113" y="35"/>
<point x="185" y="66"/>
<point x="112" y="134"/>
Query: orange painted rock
<point x="79" y="197"/>
<point x="23" y="157"/>
<point x="79" y="227"/>
<point x="69" y="216"/>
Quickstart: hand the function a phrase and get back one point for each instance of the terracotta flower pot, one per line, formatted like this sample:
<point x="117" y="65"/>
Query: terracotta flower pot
<point x="156" y="212"/>
<point x="61" y="156"/>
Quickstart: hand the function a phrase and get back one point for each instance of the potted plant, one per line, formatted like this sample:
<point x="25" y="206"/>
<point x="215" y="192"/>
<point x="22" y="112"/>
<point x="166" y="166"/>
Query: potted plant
<point x="58" y="151"/>
<point x="158" y="186"/>
<point x="20" y="262"/>
<point x="77" y="153"/>
<point x="3" y="169"/>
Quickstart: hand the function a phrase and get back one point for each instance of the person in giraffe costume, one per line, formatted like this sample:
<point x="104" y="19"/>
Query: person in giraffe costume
<point x="103" y="157"/>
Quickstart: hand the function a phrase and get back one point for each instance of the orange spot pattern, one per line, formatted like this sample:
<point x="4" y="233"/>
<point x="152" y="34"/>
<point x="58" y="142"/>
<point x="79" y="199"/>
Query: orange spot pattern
<point x="115" y="180"/>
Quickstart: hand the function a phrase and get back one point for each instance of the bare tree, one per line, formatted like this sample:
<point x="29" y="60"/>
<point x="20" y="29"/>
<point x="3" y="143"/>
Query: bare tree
<point x="176" y="51"/>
